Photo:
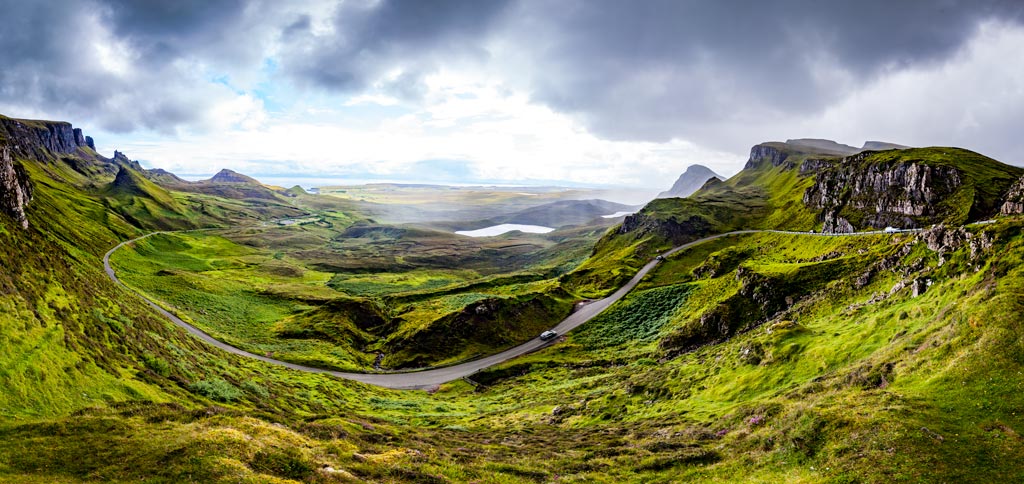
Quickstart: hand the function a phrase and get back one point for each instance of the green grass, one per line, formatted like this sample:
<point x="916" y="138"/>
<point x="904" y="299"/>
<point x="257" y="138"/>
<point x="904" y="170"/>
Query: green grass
<point x="846" y="381"/>
<point x="268" y="290"/>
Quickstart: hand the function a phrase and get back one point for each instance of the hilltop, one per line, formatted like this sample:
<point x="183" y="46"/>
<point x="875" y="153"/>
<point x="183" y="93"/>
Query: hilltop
<point x="690" y="181"/>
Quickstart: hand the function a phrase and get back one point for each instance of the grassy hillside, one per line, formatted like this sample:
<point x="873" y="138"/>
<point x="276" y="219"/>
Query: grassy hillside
<point x="755" y="358"/>
<point x="297" y="294"/>
<point x="849" y="383"/>
<point x="791" y="186"/>
<point x="762" y="197"/>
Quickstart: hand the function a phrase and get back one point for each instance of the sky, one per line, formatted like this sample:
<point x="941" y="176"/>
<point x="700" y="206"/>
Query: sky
<point x="592" y="93"/>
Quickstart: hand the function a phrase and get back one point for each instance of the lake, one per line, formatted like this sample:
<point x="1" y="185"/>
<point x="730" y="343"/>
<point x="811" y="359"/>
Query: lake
<point x="617" y="214"/>
<point x="503" y="228"/>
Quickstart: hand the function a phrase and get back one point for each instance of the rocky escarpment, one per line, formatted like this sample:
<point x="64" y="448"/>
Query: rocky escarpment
<point x="31" y="139"/>
<point x="15" y="188"/>
<point x="794" y="152"/>
<point x="1014" y="201"/>
<point x="854" y="195"/>
<point x="765" y="153"/>
<point x="675" y="229"/>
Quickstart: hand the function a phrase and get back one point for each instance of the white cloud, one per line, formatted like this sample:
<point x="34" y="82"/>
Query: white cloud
<point x="499" y="133"/>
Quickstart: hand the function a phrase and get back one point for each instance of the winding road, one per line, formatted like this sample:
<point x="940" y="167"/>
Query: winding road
<point x="428" y="378"/>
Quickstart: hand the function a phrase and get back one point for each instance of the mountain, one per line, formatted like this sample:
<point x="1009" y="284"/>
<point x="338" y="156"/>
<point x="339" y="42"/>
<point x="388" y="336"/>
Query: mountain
<point x="690" y="181"/>
<point x="909" y="188"/>
<point x="563" y="212"/>
<point x="229" y="176"/>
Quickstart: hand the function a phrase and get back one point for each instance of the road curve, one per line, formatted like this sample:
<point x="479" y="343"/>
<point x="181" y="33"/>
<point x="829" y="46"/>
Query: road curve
<point x="436" y="376"/>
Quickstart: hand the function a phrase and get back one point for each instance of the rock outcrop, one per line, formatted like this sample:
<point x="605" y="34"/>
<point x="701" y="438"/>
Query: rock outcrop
<point x="122" y="160"/>
<point x="673" y="229"/>
<point x="690" y="181"/>
<point x="902" y="194"/>
<point x="1014" y="200"/>
<point x="765" y="153"/>
<point x="882" y="145"/>
<point x="15" y="188"/>
<point x="30" y="138"/>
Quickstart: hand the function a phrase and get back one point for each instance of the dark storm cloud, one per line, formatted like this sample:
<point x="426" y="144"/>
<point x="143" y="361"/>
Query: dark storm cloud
<point x="51" y="62"/>
<point x="370" y="39"/>
<point x="171" y="29"/>
<point x="647" y="70"/>
<point x="655" y="70"/>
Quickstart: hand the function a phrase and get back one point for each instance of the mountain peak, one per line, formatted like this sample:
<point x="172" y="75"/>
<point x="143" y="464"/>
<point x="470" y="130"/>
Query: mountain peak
<point x="230" y="176"/>
<point x="690" y="181"/>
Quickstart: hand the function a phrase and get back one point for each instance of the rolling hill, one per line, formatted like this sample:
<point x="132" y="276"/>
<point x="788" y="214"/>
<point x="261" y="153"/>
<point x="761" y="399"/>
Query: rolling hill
<point x="759" y="357"/>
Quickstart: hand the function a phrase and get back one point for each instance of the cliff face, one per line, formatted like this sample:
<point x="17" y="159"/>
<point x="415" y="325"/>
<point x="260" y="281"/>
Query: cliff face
<point x="1014" y="202"/>
<point x="902" y="194"/>
<point x="765" y="153"/>
<point x="15" y="188"/>
<point x="29" y="139"/>
<point x="674" y="229"/>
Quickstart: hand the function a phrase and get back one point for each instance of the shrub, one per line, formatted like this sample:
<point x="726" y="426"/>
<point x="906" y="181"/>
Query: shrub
<point x="216" y="389"/>
<point x="255" y="389"/>
<point x="157" y="364"/>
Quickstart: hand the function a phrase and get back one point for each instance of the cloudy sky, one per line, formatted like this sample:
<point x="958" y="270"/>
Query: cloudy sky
<point x="584" y="92"/>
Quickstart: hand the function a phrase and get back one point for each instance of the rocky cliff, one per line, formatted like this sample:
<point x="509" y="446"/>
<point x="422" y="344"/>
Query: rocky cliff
<point x="1014" y="201"/>
<point x="30" y="139"/>
<point x="909" y="188"/>
<point x="766" y="153"/>
<point x="15" y="188"/>
<point x="902" y="194"/>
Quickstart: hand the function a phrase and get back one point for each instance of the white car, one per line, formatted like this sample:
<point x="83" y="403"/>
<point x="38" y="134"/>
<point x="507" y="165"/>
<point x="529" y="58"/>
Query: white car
<point x="548" y="335"/>
<point x="892" y="230"/>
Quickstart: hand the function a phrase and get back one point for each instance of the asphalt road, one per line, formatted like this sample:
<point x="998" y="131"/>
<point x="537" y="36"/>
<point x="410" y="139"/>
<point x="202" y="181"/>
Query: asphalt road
<point x="436" y="376"/>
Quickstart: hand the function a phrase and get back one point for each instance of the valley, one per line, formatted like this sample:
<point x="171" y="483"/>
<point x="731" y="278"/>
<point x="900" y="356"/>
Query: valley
<point x="785" y="335"/>
<point x="511" y="242"/>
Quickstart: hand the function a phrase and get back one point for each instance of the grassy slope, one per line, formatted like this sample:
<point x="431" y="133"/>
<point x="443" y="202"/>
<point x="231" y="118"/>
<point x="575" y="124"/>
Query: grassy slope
<point x="900" y="390"/>
<point x="766" y="197"/>
<point x="272" y="300"/>
<point x="771" y="197"/>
